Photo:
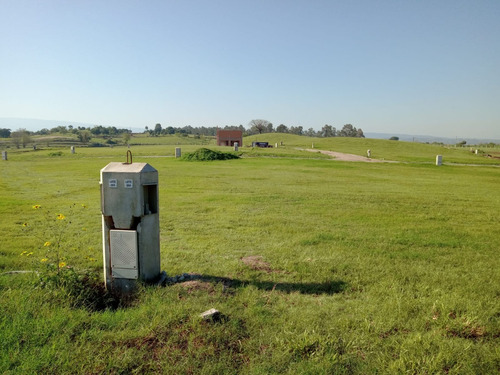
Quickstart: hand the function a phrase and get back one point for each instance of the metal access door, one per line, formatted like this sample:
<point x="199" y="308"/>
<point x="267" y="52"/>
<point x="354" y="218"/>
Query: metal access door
<point x="124" y="254"/>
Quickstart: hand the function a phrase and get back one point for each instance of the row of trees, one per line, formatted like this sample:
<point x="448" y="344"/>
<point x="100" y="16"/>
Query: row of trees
<point x="264" y="126"/>
<point x="22" y="137"/>
<point x="258" y="127"/>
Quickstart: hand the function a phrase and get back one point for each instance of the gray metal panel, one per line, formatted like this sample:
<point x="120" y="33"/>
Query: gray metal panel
<point x="121" y="273"/>
<point x="123" y="248"/>
<point x="149" y="243"/>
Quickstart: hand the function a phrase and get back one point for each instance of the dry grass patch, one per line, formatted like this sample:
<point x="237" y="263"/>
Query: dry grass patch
<point x="192" y="286"/>
<point x="256" y="262"/>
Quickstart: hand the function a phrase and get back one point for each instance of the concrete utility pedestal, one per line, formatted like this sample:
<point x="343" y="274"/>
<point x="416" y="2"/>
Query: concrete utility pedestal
<point x="130" y="224"/>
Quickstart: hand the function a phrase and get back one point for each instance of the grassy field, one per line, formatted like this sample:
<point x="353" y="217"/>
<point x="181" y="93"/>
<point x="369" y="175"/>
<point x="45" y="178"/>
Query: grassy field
<point x="317" y="266"/>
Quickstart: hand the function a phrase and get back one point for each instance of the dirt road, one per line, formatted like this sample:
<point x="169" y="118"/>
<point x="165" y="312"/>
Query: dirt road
<point x="349" y="157"/>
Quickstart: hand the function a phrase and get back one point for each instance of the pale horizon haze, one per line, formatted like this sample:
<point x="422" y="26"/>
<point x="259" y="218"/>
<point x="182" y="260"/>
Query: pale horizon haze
<point x="414" y="67"/>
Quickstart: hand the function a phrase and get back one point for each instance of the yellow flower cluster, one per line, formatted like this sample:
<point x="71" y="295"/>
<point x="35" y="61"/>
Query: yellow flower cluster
<point x="26" y="253"/>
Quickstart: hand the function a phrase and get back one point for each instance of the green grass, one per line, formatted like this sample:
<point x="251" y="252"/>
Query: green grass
<point x="383" y="149"/>
<point x="358" y="268"/>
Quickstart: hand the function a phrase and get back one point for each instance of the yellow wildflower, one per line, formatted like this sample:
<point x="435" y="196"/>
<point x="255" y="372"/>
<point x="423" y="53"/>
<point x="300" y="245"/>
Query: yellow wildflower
<point x="36" y="206"/>
<point x="24" y="253"/>
<point x="84" y="206"/>
<point x="62" y="264"/>
<point x="43" y="260"/>
<point x="29" y="254"/>
<point x="61" y="217"/>
<point x="25" y="224"/>
<point x="47" y="244"/>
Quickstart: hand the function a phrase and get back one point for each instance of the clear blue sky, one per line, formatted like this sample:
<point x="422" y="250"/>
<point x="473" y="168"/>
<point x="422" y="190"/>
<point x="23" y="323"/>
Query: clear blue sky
<point x="415" y="67"/>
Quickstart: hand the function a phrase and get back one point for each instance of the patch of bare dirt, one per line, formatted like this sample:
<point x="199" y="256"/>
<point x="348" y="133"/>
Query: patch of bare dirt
<point x="349" y="157"/>
<point x="192" y="286"/>
<point x="256" y="262"/>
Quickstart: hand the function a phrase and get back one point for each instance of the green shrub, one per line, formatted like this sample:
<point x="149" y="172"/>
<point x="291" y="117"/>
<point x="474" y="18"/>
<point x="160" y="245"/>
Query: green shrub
<point x="205" y="154"/>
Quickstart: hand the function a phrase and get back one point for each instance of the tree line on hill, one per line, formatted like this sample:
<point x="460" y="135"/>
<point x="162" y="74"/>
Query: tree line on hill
<point x="258" y="127"/>
<point x="22" y="137"/>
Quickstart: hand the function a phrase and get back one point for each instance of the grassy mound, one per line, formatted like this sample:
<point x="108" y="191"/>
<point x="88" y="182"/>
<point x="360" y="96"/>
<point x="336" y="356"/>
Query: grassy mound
<point x="205" y="154"/>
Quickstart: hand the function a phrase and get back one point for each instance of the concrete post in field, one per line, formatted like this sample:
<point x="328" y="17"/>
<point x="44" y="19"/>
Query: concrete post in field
<point x="130" y="224"/>
<point x="312" y="146"/>
<point x="72" y="149"/>
<point x="439" y="160"/>
<point x="177" y="152"/>
<point x="236" y="145"/>
<point x="4" y="155"/>
<point x="369" y="153"/>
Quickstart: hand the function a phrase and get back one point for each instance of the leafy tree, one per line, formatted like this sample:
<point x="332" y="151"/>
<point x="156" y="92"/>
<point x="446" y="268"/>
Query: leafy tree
<point x="328" y="131"/>
<point x="21" y="137"/>
<point x="59" y="129"/>
<point x="310" y="132"/>
<point x="282" y="129"/>
<point x="299" y="130"/>
<point x="259" y="126"/>
<point x="157" y="130"/>
<point x="350" y="131"/>
<point x="99" y="130"/>
<point x="126" y="137"/>
<point x="5" y="133"/>
<point x="347" y="131"/>
<point x="169" y="130"/>
<point x="84" y="136"/>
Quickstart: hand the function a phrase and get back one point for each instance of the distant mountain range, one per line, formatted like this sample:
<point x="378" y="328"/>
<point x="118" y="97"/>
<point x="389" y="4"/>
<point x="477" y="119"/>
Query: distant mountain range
<point x="35" y="125"/>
